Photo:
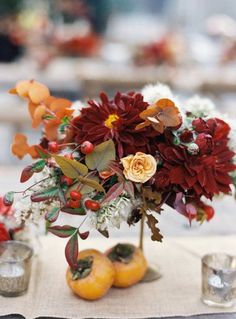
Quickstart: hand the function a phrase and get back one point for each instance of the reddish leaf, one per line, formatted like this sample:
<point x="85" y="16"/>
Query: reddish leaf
<point x="8" y="198"/>
<point x="71" y="251"/>
<point x="115" y="191"/>
<point x="52" y="215"/>
<point x="129" y="188"/>
<point x="104" y="233"/>
<point x="62" y="231"/>
<point x="83" y="235"/>
<point x="26" y="174"/>
<point x="46" y="194"/>
<point x="179" y="205"/>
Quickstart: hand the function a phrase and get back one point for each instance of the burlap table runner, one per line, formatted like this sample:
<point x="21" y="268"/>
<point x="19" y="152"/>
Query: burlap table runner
<point x="177" y="293"/>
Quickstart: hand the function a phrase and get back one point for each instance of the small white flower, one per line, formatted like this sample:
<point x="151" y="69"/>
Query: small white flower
<point x="112" y="214"/>
<point x="152" y="93"/>
<point x="200" y="106"/>
<point x="77" y="106"/>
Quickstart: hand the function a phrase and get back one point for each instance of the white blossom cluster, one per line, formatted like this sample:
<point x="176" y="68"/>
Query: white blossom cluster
<point x="112" y="214"/>
<point x="26" y="210"/>
<point x="152" y="93"/>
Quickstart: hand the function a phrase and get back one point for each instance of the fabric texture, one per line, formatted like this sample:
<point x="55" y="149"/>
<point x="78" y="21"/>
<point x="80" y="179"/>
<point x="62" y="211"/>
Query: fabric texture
<point x="177" y="293"/>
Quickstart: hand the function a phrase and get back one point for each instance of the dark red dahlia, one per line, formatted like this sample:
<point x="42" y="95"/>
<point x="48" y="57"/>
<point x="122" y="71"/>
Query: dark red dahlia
<point x="162" y="178"/>
<point x="115" y="119"/>
<point x="206" y="173"/>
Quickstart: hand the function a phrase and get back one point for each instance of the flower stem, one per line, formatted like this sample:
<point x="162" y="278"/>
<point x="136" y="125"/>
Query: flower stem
<point x="143" y="210"/>
<point x="141" y="230"/>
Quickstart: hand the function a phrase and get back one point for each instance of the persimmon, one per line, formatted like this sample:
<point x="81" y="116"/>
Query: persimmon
<point x="94" y="276"/>
<point x="130" y="264"/>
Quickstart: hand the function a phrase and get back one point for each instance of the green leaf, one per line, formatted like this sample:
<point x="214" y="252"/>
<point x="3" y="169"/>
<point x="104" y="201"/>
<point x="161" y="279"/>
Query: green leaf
<point x="85" y="189"/>
<point x="8" y="199"/>
<point x="42" y="152"/>
<point x="52" y="215"/>
<point x="48" y="117"/>
<point x="46" y="194"/>
<point x="101" y="156"/>
<point x="71" y="251"/>
<point x="91" y="183"/>
<point x="65" y="120"/>
<point x="71" y="168"/>
<point x="62" y="231"/>
<point x="74" y="211"/>
<point x="62" y="196"/>
<point x="39" y="166"/>
<point x="62" y="128"/>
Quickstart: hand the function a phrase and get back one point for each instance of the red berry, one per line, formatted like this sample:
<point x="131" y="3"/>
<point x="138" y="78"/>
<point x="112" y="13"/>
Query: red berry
<point x="53" y="147"/>
<point x="67" y="180"/>
<point x="69" y="156"/>
<point x="74" y="203"/>
<point x="86" y="147"/>
<point x="75" y="195"/>
<point x="92" y="205"/>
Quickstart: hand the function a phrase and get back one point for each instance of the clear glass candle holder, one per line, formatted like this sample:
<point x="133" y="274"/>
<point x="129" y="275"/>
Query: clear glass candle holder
<point x="15" y="268"/>
<point x="219" y="280"/>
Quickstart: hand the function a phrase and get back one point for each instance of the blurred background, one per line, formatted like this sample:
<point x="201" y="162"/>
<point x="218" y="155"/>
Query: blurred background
<point x="80" y="47"/>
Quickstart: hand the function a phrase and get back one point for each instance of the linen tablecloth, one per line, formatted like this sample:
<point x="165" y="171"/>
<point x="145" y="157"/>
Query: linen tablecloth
<point x="177" y="293"/>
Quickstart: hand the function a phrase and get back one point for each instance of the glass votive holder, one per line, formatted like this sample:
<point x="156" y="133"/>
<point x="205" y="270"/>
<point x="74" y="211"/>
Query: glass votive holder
<point x="15" y="268"/>
<point x="219" y="280"/>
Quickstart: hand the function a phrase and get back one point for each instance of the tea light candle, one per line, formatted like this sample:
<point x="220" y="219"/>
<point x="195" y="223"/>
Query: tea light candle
<point x="218" y="280"/>
<point x="15" y="265"/>
<point x="12" y="278"/>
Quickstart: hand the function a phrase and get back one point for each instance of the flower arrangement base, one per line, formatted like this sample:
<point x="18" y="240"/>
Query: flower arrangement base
<point x="152" y="274"/>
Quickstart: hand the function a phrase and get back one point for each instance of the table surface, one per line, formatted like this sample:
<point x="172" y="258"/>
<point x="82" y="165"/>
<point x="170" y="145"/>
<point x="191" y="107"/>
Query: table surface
<point x="177" y="293"/>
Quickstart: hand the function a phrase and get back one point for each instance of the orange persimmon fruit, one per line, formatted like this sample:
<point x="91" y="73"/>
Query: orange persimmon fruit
<point x="130" y="264"/>
<point x="94" y="277"/>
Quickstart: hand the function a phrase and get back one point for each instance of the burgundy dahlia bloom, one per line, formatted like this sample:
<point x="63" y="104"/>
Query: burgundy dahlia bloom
<point x="115" y="119"/>
<point x="206" y="173"/>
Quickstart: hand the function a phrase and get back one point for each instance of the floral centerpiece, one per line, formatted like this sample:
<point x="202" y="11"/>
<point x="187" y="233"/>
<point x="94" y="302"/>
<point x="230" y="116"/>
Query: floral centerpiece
<point x="121" y="159"/>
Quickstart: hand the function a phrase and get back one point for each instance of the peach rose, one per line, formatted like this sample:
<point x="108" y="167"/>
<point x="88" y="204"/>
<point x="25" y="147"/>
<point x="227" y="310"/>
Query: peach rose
<point x="140" y="167"/>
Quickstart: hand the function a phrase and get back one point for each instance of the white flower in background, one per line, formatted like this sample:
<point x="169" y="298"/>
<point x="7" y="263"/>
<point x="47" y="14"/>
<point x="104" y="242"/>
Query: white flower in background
<point x="112" y="214"/>
<point x="77" y="106"/>
<point x="200" y="106"/>
<point x="152" y="93"/>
